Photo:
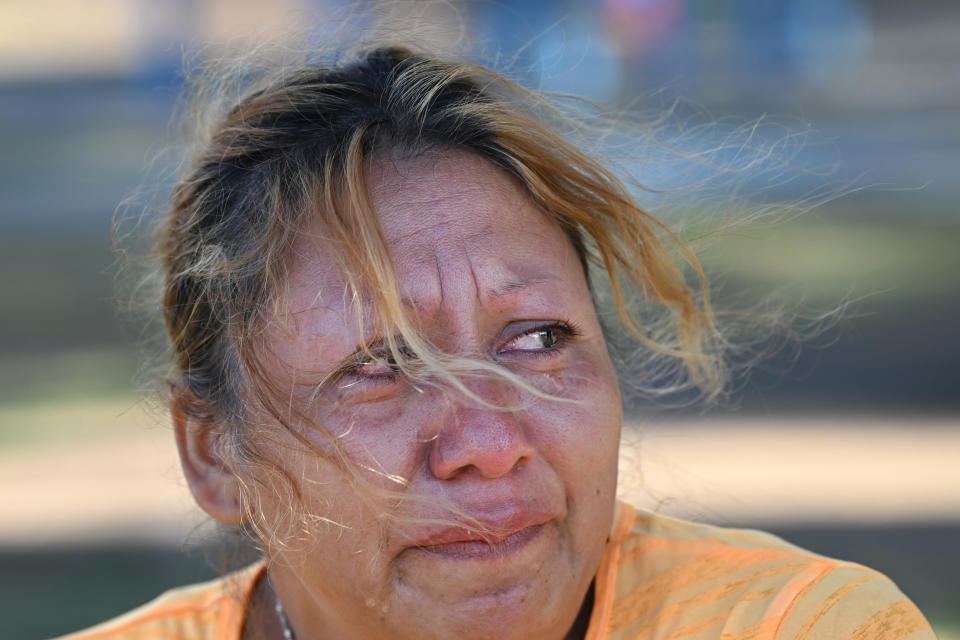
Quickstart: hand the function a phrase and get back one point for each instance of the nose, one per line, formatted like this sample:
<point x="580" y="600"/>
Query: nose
<point x="486" y="441"/>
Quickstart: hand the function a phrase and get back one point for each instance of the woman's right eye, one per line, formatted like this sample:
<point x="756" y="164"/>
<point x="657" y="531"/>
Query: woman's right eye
<point x="371" y="371"/>
<point x="377" y="369"/>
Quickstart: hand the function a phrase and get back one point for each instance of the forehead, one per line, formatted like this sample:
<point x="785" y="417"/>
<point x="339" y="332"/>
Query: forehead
<point x="446" y="215"/>
<point x="456" y="200"/>
<point x="466" y="240"/>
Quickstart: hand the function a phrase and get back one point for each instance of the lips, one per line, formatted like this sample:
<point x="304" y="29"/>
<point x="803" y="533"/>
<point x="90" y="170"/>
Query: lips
<point x="487" y="537"/>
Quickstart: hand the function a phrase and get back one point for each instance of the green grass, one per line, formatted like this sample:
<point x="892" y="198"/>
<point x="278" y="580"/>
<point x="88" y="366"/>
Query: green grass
<point x="824" y="261"/>
<point x="64" y="421"/>
<point x="46" y="593"/>
<point x="57" y="293"/>
<point x="59" y="397"/>
<point x="66" y="375"/>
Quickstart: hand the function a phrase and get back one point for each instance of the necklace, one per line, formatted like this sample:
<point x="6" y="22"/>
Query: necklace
<point x="282" y="617"/>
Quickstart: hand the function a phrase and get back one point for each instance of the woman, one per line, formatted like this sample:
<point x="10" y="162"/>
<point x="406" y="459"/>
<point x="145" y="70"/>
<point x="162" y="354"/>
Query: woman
<point x="380" y="285"/>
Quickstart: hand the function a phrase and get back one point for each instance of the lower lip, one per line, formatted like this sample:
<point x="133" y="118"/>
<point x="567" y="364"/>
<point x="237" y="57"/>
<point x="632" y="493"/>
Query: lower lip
<point x="480" y="550"/>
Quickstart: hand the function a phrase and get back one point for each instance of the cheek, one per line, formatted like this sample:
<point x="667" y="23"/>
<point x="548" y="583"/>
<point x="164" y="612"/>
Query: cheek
<point x="328" y="526"/>
<point x="305" y="493"/>
<point x="298" y="495"/>
<point x="383" y="442"/>
<point x="583" y="435"/>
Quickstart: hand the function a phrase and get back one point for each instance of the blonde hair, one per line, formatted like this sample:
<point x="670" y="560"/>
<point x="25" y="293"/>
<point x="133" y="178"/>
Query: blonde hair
<point x="292" y="150"/>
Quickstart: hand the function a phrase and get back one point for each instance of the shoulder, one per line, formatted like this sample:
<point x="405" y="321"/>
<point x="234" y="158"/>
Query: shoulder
<point x="683" y="578"/>
<point x="211" y="609"/>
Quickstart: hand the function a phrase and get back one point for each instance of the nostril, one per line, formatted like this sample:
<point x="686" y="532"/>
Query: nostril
<point x="488" y="444"/>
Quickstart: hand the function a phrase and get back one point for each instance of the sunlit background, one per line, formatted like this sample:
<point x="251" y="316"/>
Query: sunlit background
<point x="848" y="444"/>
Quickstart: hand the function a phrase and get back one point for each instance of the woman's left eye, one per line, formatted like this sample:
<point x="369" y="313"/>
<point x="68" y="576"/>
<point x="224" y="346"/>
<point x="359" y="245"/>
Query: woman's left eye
<point x="539" y="339"/>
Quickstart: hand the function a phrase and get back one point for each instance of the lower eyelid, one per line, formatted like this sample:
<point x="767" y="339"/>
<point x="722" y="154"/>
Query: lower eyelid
<point x="357" y="380"/>
<point x="562" y="342"/>
<point x="383" y="378"/>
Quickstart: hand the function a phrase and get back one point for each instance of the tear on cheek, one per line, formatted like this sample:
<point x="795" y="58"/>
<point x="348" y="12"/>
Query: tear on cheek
<point x="570" y="383"/>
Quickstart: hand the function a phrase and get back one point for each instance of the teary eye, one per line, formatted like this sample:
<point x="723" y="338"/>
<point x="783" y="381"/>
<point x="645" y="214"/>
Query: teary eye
<point x="538" y="339"/>
<point x="376" y="367"/>
<point x="380" y="367"/>
<point x="534" y="340"/>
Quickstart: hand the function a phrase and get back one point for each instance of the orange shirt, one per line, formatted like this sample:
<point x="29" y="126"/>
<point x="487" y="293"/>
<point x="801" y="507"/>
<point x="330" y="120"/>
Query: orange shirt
<point x="663" y="578"/>
<point x="660" y="579"/>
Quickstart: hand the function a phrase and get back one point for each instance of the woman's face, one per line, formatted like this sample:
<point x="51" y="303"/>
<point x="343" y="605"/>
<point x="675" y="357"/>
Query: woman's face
<point x="487" y="276"/>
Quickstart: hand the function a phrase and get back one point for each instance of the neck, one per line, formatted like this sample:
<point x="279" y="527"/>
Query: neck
<point x="261" y="622"/>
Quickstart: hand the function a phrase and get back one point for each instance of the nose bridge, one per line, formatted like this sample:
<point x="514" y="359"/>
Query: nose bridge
<point x="487" y="439"/>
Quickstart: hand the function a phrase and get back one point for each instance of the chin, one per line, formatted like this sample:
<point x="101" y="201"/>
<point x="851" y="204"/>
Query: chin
<point x="537" y="605"/>
<point x="515" y="613"/>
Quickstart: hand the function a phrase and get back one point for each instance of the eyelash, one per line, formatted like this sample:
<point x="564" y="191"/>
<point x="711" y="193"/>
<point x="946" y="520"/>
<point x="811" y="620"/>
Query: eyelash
<point x="352" y="371"/>
<point x="566" y="331"/>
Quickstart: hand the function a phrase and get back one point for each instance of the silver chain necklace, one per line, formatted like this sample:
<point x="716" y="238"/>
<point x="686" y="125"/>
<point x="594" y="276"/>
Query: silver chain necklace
<point x="282" y="617"/>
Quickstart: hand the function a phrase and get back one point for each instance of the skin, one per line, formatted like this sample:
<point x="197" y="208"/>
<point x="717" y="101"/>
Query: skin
<point x="486" y="274"/>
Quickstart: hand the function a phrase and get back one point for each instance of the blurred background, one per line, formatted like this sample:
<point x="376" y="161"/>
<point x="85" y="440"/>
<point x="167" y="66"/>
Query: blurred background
<point x="848" y="444"/>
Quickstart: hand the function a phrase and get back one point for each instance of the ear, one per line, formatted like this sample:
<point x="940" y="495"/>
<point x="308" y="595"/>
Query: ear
<point x="214" y="485"/>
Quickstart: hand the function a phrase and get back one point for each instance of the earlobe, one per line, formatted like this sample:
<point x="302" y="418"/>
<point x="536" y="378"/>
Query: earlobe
<point x="214" y="485"/>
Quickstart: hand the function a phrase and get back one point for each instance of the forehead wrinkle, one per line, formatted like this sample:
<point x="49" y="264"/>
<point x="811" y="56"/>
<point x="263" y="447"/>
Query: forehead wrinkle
<point x="400" y="238"/>
<point x="516" y="286"/>
<point x="509" y="277"/>
<point x="454" y="288"/>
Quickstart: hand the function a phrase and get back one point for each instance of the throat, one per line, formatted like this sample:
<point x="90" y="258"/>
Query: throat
<point x="260" y="621"/>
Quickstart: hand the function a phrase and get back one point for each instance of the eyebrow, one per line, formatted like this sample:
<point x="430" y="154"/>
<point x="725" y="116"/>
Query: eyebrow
<point x="496" y="293"/>
<point x="514" y="286"/>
